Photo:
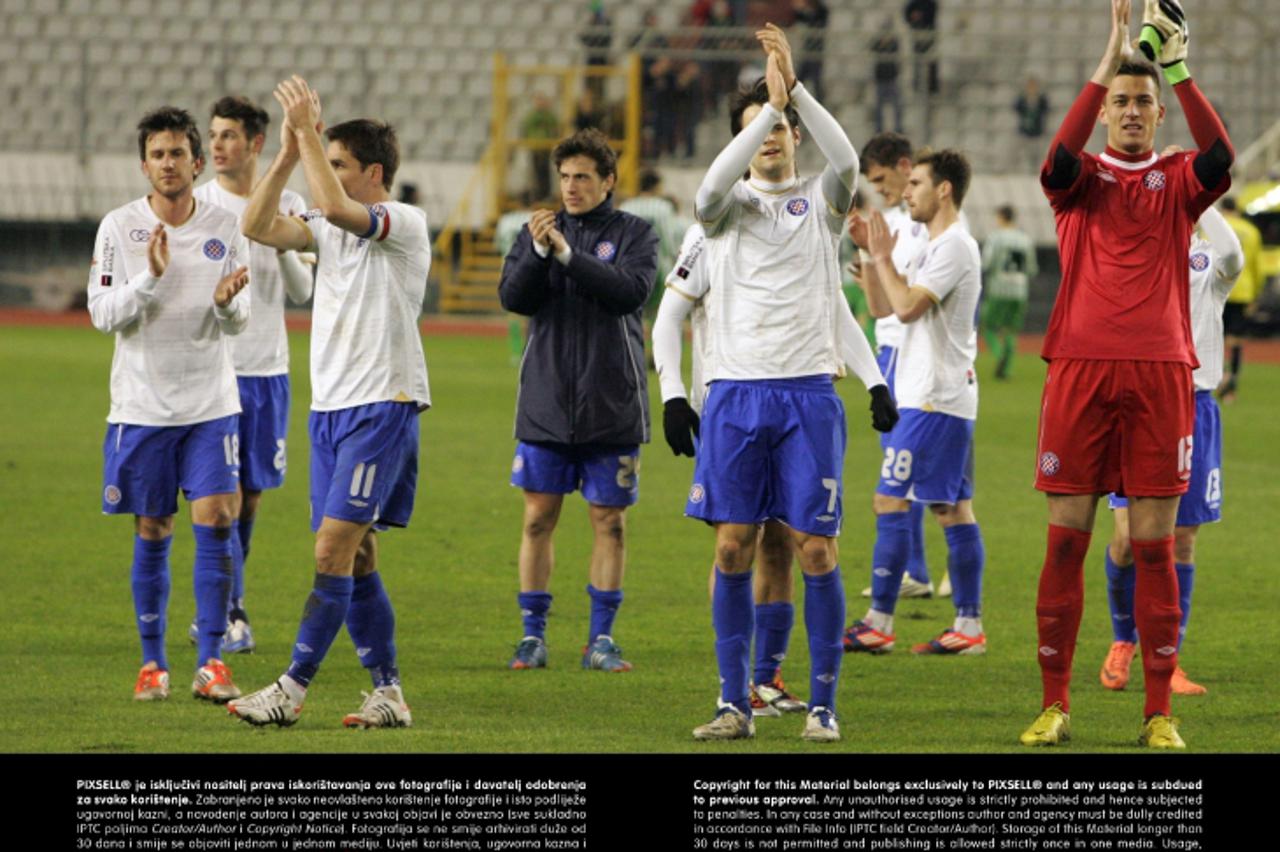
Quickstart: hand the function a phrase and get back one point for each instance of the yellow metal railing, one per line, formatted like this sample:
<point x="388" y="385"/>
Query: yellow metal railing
<point x="468" y="282"/>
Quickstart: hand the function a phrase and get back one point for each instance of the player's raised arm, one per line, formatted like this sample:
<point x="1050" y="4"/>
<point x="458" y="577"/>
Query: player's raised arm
<point x="1164" y="40"/>
<point x="713" y="194"/>
<point x="262" y="221"/>
<point x="302" y="113"/>
<point x="840" y="178"/>
<point x="1062" y="166"/>
<point x="115" y="303"/>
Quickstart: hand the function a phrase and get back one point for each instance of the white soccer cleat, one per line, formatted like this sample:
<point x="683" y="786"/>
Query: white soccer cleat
<point x="910" y="589"/>
<point x="821" y="726"/>
<point x="382" y="708"/>
<point x="270" y="706"/>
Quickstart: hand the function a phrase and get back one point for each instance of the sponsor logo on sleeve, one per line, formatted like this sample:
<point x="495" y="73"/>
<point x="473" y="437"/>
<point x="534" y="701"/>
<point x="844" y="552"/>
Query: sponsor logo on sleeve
<point x="215" y="249"/>
<point x="605" y="250"/>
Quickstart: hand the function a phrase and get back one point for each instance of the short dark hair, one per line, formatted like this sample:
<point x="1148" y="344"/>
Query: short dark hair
<point x="169" y="118"/>
<point x="650" y="180"/>
<point x="590" y="143"/>
<point x="757" y="94"/>
<point x="885" y="149"/>
<point x="1138" y="68"/>
<point x="369" y="142"/>
<point x="949" y="165"/>
<point x="252" y="118"/>
<point x="1005" y="212"/>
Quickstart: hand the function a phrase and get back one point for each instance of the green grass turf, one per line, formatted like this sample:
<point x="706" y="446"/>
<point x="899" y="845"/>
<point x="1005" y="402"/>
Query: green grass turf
<point x="69" y="652"/>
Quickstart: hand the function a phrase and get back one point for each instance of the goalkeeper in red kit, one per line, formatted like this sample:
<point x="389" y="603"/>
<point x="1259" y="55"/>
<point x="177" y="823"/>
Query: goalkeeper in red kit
<point x="1117" y="411"/>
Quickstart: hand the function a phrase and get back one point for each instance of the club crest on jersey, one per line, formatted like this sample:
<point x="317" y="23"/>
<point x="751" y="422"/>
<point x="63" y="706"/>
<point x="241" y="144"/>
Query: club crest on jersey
<point x="1049" y="464"/>
<point x="696" y="493"/>
<point x="215" y="249"/>
<point x="1154" y="180"/>
<point x="798" y="206"/>
<point x="1199" y="261"/>
<point x="605" y="250"/>
<point x="139" y="235"/>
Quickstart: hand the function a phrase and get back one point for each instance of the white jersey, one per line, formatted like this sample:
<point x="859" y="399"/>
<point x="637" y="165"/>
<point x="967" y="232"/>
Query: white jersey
<point x="912" y="238"/>
<point x="935" y="364"/>
<point x="1209" y="290"/>
<point x="687" y="276"/>
<point x="262" y="349"/>
<point x="365" y="343"/>
<point x="773" y="277"/>
<point x="172" y="363"/>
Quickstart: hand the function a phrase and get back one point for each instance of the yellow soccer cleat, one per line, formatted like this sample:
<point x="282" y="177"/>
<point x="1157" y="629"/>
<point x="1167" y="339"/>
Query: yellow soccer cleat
<point x="1051" y="727"/>
<point x="1160" y="732"/>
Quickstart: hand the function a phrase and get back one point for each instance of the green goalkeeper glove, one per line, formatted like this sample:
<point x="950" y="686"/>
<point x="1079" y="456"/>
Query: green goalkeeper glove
<point x="1164" y="38"/>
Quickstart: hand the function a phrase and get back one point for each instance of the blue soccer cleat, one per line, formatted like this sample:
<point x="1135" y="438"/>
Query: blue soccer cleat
<point x="531" y="653"/>
<point x="605" y="656"/>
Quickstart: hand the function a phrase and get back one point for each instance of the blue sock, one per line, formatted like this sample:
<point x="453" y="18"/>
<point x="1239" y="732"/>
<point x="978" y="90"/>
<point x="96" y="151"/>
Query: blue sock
<point x="965" y="559"/>
<point x="773" y="631"/>
<point x="322" y="618"/>
<point x="237" y="565"/>
<point x="824" y="622"/>
<point x="1186" y="581"/>
<point x="150" y="581"/>
<point x="212" y="583"/>
<point x="889" y="559"/>
<point x="916" y="567"/>
<point x="533" y="609"/>
<point x="604" y="609"/>
<point x="732" y="618"/>
<point x="1121" y="580"/>
<point x="372" y="625"/>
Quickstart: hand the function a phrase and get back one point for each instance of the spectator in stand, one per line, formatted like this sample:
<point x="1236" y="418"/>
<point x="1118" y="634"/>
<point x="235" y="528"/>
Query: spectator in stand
<point x="597" y="38"/>
<point x="885" y="49"/>
<point x="540" y="123"/>
<point x="811" y="14"/>
<point x="922" y="17"/>
<point x="1032" y="107"/>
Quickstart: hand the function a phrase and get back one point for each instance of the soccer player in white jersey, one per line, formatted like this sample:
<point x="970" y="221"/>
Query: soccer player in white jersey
<point x="773" y="429"/>
<point x="929" y="457"/>
<point x="237" y="130"/>
<point x="368" y="384"/>
<point x="771" y="585"/>
<point x="167" y="279"/>
<point x="886" y="164"/>
<point x="1216" y="260"/>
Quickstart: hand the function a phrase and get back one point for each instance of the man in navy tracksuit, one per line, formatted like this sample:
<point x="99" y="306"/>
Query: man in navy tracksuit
<point x="582" y="275"/>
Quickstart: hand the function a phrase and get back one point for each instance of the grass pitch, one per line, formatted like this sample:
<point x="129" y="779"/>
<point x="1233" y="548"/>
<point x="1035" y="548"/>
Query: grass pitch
<point x="70" y="653"/>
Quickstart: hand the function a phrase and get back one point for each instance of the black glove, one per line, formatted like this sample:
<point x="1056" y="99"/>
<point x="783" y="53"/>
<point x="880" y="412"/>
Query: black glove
<point x="678" y="421"/>
<point x="884" y="411"/>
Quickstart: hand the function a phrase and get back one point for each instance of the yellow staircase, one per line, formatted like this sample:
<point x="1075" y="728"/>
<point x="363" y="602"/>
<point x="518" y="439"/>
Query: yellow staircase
<point x="466" y="262"/>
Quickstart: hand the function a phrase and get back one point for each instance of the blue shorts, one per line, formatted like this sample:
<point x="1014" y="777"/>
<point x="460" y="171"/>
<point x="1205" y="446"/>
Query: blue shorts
<point x="264" y="426"/>
<point x="771" y="449"/>
<point x="144" y="466"/>
<point x="607" y="474"/>
<point x="364" y="464"/>
<point x="887" y="359"/>
<point x="1202" y="504"/>
<point x="928" y="458"/>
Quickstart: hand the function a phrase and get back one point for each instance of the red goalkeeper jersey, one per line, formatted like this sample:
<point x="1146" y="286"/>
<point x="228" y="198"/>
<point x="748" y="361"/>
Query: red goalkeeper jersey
<point x="1124" y="226"/>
